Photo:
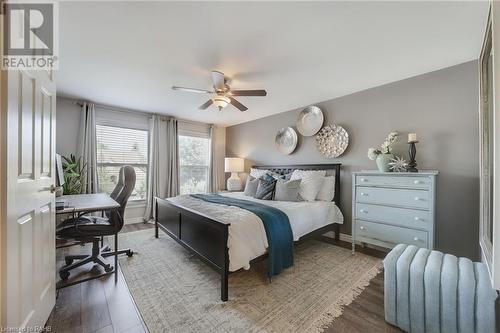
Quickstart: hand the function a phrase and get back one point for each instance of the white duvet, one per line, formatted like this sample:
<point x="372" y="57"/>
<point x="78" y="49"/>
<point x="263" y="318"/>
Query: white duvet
<point x="247" y="236"/>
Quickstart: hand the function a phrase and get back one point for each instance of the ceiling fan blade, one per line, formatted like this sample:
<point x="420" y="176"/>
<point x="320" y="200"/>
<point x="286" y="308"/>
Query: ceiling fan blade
<point x="206" y="105"/>
<point x="218" y="80"/>
<point x="200" y="91"/>
<point x="237" y="104"/>
<point x="248" y="92"/>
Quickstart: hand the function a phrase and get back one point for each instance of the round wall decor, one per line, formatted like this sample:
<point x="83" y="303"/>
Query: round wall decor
<point x="310" y="121"/>
<point x="332" y="141"/>
<point x="286" y="140"/>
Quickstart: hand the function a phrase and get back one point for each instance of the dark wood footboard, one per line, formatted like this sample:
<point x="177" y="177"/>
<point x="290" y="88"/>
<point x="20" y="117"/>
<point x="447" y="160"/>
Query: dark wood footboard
<point x="201" y="235"/>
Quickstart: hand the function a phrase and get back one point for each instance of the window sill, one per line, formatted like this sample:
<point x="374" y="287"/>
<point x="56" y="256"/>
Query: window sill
<point x="136" y="203"/>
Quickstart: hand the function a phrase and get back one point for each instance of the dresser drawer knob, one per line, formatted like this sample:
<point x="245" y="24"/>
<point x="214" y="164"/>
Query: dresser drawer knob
<point x="363" y="211"/>
<point x="362" y="228"/>
<point x="419" y="199"/>
<point x="416" y="239"/>
<point x="416" y="218"/>
<point x="418" y="182"/>
<point x="364" y="194"/>
<point x="364" y="179"/>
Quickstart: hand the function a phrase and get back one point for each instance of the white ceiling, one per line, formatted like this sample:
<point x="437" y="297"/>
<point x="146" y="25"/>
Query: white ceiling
<point x="129" y="54"/>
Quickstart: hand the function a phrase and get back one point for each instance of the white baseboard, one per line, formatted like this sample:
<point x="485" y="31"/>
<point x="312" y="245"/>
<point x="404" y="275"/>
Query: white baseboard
<point x="348" y="238"/>
<point x="132" y="220"/>
<point x="342" y="237"/>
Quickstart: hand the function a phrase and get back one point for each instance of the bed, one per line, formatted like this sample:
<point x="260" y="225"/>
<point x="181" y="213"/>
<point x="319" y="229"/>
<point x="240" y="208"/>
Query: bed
<point x="219" y="235"/>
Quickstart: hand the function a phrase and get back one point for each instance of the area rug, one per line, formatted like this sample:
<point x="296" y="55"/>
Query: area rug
<point x="176" y="292"/>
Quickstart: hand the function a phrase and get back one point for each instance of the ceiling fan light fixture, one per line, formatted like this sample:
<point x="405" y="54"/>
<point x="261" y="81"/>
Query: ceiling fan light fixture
<point x="221" y="101"/>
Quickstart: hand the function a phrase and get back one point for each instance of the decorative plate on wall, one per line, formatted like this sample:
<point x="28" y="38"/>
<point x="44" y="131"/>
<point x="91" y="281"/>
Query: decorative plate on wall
<point x="286" y="140"/>
<point x="332" y="141"/>
<point x="310" y="121"/>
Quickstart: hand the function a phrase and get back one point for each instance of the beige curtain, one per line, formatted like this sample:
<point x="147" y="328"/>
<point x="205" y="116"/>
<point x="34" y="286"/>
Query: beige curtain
<point x="213" y="179"/>
<point x="87" y="148"/>
<point x="163" y="177"/>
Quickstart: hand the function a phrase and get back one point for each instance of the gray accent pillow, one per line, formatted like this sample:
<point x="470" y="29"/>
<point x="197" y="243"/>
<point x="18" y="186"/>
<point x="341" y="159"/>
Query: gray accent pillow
<point x="287" y="190"/>
<point x="251" y="186"/>
<point x="265" y="189"/>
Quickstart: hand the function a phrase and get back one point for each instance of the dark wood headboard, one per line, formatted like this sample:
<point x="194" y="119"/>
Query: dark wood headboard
<point x="284" y="169"/>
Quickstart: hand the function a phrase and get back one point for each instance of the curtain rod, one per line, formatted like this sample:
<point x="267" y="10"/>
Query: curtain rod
<point x="118" y="109"/>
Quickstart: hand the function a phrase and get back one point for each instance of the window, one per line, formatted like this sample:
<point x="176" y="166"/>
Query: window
<point x="116" y="147"/>
<point x="194" y="159"/>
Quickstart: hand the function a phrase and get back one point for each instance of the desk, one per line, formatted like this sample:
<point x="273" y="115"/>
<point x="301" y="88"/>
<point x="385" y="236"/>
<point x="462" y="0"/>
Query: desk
<point x="88" y="203"/>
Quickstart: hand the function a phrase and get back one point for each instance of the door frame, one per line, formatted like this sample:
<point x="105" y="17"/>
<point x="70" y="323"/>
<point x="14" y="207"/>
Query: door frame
<point x="3" y="175"/>
<point x="495" y="20"/>
<point x="490" y="249"/>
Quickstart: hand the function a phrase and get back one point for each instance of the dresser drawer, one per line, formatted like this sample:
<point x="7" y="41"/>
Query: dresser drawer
<point x="396" y="197"/>
<point x="390" y="234"/>
<point x="410" y="218"/>
<point x="394" y="181"/>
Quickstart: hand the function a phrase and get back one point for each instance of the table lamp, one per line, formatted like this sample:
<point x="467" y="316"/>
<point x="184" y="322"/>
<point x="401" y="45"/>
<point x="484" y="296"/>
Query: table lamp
<point x="234" y="165"/>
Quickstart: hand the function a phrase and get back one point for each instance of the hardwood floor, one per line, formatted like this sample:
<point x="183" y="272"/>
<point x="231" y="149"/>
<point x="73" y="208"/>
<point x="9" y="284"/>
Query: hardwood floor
<point x="101" y="306"/>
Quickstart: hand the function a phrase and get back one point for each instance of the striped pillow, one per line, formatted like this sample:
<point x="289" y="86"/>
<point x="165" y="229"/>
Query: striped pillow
<point x="265" y="189"/>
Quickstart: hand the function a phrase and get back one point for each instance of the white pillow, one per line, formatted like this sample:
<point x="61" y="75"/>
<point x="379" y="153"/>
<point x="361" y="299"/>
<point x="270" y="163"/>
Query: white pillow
<point x="310" y="184"/>
<point x="257" y="173"/>
<point x="327" y="191"/>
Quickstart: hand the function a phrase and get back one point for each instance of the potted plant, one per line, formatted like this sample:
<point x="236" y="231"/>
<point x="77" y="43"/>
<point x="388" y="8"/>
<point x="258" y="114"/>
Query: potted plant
<point x="73" y="173"/>
<point x="383" y="155"/>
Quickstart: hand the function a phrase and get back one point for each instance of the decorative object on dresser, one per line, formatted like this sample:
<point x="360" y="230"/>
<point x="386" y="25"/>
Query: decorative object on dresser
<point x="234" y="165"/>
<point x="332" y="141"/>
<point x="393" y="208"/>
<point x="383" y="155"/>
<point x="398" y="164"/>
<point x="412" y="152"/>
<point x="310" y="121"/>
<point x="286" y="140"/>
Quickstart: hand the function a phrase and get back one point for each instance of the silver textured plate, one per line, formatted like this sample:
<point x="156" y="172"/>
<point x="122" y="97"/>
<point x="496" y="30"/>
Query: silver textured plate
<point x="332" y="141"/>
<point x="310" y="121"/>
<point x="286" y="140"/>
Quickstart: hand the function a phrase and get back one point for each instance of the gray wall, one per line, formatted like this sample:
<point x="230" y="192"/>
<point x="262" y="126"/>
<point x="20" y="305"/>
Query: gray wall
<point x="68" y="115"/>
<point x="441" y="107"/>
<point x="67" y="126"/>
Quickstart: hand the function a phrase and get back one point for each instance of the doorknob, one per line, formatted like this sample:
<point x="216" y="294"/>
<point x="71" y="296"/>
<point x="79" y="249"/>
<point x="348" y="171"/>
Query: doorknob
<point x="52" y="188"/>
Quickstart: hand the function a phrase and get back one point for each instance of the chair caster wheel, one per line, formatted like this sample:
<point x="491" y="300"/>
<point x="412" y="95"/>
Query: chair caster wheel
<point x="130" y="254"/>
<point x="108" y="269"/>
<point x="68" y="261"/>
<point x="64" y="275"/>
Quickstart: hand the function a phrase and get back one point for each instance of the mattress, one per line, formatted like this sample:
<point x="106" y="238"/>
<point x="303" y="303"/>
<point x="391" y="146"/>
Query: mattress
<point x="247" y="237"/>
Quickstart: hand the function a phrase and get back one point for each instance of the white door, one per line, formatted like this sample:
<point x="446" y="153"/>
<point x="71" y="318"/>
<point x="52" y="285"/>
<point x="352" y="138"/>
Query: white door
<point x="28" y="243"/>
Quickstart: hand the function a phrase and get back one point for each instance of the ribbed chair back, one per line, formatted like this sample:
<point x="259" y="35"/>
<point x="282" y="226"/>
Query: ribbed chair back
<point x="428" y="291"/>
<point x="127" y="181"/>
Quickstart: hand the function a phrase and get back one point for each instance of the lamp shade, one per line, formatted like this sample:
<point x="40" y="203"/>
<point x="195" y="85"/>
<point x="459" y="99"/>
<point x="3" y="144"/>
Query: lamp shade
<point x="234" y="164"/>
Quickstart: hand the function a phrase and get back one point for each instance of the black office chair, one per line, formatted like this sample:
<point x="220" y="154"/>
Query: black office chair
<point x="90" y="229"/>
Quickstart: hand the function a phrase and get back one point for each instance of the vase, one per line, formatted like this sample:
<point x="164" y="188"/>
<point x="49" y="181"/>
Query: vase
<point x="383" y="161"/>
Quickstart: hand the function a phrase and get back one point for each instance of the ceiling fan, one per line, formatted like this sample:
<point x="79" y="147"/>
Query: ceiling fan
<point x="223" y="93"/>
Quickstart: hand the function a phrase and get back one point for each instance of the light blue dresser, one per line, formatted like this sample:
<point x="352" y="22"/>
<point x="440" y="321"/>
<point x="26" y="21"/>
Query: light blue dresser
<point x="389" y="208"/>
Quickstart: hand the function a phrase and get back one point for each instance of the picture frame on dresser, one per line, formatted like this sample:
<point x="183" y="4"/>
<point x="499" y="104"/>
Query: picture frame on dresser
<point x="389" y="208"/>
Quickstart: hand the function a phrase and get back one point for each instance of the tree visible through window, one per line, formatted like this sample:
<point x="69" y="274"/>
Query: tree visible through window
<point x="116" y="147"/>
<point x="194" y="159"/>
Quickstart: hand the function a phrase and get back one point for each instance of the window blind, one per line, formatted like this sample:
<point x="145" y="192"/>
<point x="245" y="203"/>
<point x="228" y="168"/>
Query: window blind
<point x="116" y="147"/>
